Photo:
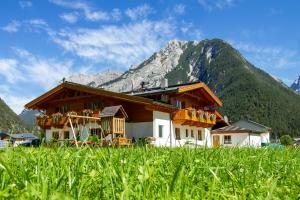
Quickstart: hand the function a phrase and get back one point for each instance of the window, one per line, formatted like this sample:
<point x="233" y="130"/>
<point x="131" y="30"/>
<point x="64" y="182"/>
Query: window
<point x="182" y="105"/>
<point x="160" y="131"/>
<point x="177" y="133"/>
<point x="55" y="135"/>
<point x="178" y="104"/>
<point x="66" y="135"/>
<point x="186" y="132"/>
<point x="192" y="133"/>
<point x="62" y="109"/>
<point x="227" y="139"/>
<point x="200" y="135"/>
<point x="93" y="105"/>
<point x="96" y="131"/>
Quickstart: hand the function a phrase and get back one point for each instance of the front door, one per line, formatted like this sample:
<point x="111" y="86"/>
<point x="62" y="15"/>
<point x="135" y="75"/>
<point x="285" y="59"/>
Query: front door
<point x="216" y="140"/>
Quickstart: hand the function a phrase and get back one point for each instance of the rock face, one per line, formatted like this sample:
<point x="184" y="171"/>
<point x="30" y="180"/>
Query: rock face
<point x="296" y="85"/>
<point x="95" y="80"/>
<point x="151" y="70"/>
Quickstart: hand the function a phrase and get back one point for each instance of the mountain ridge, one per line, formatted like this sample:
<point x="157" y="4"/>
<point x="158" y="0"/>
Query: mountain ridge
<point x="10" y="121"/>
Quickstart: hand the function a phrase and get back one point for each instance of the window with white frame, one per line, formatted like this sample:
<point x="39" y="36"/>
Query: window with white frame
<point x="177" y="133"/>
<point x="192" y="133"/>
<point x="187" y="133"/>
<point x="55" y="135"/>
<point x="200" y="135"/>
<point x="66" y="135"/>
<point x="160" y="131"/>
<point x="227" y="139"/>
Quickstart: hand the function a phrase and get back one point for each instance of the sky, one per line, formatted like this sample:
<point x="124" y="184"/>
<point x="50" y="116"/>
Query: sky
<point x="43" y="41"/>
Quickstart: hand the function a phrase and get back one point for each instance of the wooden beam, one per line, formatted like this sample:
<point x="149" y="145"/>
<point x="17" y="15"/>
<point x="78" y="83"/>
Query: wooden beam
<point x="72" y="98"/>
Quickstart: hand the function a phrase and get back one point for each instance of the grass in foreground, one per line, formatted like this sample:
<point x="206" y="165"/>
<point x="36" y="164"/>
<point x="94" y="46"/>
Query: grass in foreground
<point x="155" y="173"/>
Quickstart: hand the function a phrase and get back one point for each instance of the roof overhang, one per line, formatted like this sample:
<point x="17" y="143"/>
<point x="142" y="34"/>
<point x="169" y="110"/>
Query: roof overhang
<point x="204" y="87"/>
<point x="34" y="104"/>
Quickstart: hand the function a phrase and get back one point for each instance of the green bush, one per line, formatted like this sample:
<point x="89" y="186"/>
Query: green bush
<point x="286" y="140"/>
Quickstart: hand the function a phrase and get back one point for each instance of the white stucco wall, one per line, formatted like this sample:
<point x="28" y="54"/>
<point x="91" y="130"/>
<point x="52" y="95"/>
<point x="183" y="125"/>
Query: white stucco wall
<point x="241" y="140"/>
<point x="192" y="140"/>
<point x="255" y="140"/>
<point x="49" y="135"/>
<point x="167" y="139"/>
<point x="265" y="137"/>
<point x="139" y="130"/>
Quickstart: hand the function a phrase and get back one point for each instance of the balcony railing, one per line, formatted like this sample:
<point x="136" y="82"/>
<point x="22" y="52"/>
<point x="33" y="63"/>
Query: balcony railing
<point x="195" y="117"/>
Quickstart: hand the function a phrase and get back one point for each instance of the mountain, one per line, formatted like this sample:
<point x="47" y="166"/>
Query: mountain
<point x="9" y="121"/>
<point x="296" y="85"/>
<point x="28" y="117"/>
<point x="96" y="79"/>
<point x="246" y="91"/>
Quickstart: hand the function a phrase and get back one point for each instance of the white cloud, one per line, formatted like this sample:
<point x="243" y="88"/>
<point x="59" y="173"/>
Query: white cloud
<point x="116" y="14"/>
<point x="12" y="27"/>
<point x="122" y="45"/>
<point x="25" y="4"/>
<point x="15" y="102"/>
<point x="179" y="9"/>
<point x="9" y="70"/>
<point x="139" y="12"/>
<point x="88" y="11"/>
<point x="69" y="17"/>
<point x="268" y="57"/>
<point x="211" y="5"/>
<point x="46" y="72"/>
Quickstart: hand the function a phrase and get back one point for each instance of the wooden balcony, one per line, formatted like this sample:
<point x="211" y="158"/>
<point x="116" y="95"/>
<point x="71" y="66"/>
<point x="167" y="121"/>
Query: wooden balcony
<point x="194" y="117"/>
<point x="58" y="120"/>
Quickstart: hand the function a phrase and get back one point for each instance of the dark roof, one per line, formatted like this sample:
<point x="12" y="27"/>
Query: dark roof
<point x="251" y="125"/>
<point x="231" y="129"/>
<point x="180" y="88"/>
<point x="23" y="136"/>
<point x="34" y="104"/>
<point x="158" y="89"/>
<point x="3" y="134"/>
<point x="112" y="111"/>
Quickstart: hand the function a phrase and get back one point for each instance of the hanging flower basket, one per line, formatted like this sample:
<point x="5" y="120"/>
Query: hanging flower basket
<point x="72" y="113"/>
<point x="56" y="117"/>
<point x="87" y="112"/>
<point x="206" y="115"/>
<point x="212" y="117"/>
<point x="192" y="113"/>
<point x="42" y="119"/>
<point x="200" y="115"/>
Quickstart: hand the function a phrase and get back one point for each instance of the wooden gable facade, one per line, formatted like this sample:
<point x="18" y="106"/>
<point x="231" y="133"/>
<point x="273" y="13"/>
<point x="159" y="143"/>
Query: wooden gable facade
<point x="73" y="98"/>
<point x="196" y="104"/>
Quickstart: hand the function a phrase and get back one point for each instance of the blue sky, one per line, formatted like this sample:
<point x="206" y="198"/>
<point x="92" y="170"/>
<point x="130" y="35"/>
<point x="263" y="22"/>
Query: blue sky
<point x="43" y="41"/>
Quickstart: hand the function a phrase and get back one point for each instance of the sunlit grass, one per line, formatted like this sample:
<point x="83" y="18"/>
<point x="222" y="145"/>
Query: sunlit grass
<point x="155" y="173"/>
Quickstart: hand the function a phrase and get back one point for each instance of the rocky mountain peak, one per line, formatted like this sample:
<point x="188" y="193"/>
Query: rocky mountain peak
<point x="296" y="85"/>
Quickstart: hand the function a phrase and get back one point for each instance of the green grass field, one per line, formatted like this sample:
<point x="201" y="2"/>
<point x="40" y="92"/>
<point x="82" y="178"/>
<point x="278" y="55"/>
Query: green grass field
<point x="155" y="173"/>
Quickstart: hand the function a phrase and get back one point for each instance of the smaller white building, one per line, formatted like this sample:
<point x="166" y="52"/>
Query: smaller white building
<point x="241" y="134"/>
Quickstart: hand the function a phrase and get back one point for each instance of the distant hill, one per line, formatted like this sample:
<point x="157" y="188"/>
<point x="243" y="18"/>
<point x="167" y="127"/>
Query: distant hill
<point x="10" y="121"/>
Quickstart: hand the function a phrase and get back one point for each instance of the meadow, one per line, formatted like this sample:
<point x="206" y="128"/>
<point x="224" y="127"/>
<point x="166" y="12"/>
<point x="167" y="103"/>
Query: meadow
<point x="149" y="173"/>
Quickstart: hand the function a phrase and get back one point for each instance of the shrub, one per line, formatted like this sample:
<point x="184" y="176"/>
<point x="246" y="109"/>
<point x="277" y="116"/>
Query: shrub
<point x="286" y="140"/>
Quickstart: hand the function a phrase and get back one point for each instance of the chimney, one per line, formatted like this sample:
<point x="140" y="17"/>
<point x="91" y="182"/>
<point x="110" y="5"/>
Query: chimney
<point x="164" y="83"/>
